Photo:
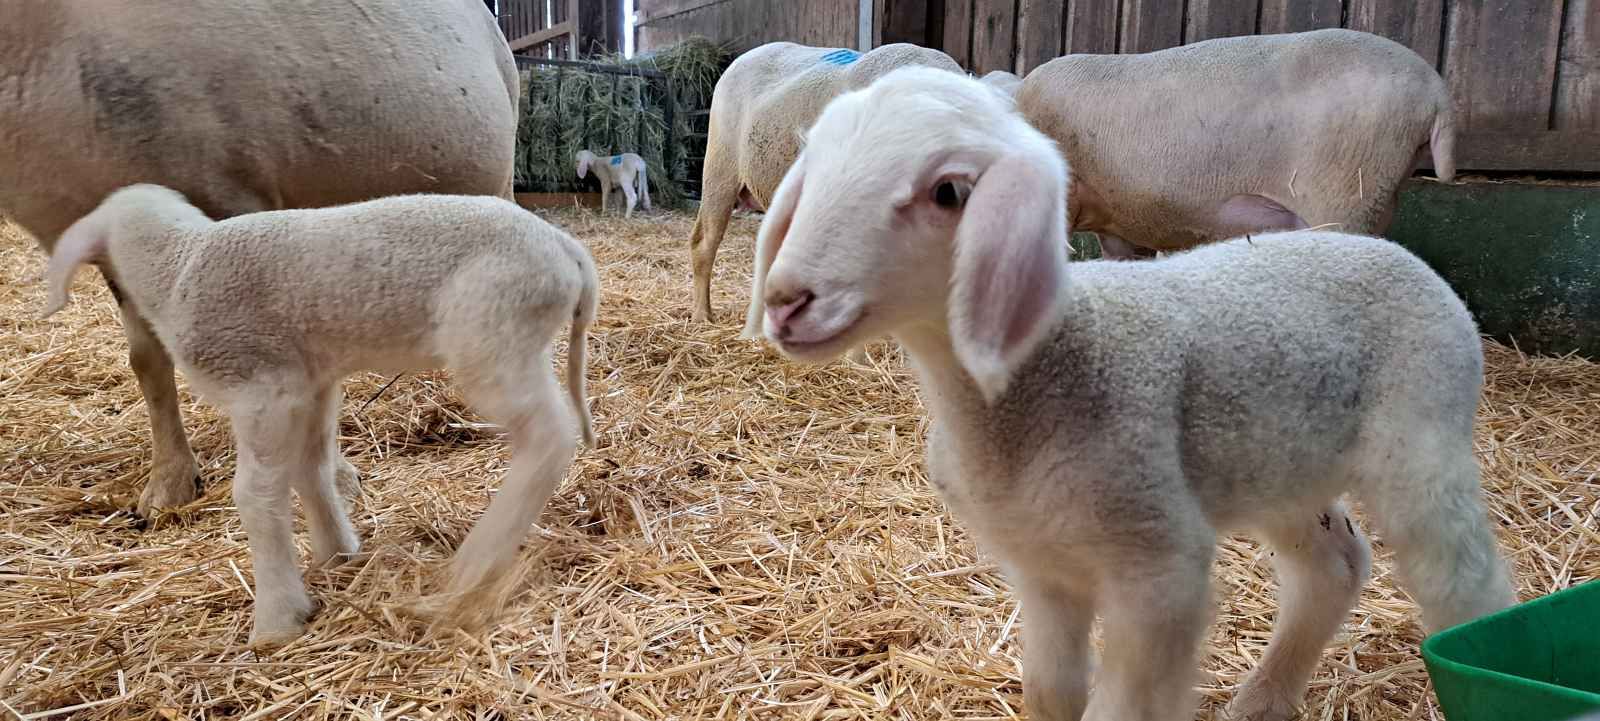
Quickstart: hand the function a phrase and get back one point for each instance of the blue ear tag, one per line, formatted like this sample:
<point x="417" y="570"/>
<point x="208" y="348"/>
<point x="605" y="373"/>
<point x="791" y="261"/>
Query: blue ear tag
<point x="616" y="160"/>
<point x="841" y="57"/>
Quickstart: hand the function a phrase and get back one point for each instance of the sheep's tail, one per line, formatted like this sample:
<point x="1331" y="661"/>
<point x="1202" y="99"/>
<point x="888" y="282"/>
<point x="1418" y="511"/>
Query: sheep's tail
<point x="1442" y="142"/>
<point x="85" y="241"/>
<point x="644" y="185"/>
<point x="577" y="350"/>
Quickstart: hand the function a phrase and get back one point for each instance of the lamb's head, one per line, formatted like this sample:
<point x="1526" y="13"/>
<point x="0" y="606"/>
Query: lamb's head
<point x="584" y="158"/>
<point x="88" y="239"/>
<point x="921" y="203"/>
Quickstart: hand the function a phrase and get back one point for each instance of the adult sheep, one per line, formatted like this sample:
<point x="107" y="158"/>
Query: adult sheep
<point x="762" y="104"/>
<point x="1240" y="135"/>
<point x="243" y="105"/>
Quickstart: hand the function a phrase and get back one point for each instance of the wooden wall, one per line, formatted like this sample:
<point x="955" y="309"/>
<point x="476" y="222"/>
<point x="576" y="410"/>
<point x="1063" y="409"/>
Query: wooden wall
<point x="744" y="24"/>
<point x="1525" y="74"/>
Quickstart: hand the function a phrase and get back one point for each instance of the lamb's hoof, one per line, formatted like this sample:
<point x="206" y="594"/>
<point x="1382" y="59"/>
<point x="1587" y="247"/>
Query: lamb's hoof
<point x="347" y="479"/>
<point x="169" y="487"/>
<point x="1260" y="703"/>
<point x="279" y="627"/>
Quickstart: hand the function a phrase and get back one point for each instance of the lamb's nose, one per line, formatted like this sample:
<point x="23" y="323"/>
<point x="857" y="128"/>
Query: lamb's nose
<point x="783" y="307"/>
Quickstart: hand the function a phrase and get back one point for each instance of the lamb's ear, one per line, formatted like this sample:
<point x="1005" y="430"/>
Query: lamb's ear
<point x="769" y="239"/>
<point x="1009" y="269"/>
<point x="85" y="241"/>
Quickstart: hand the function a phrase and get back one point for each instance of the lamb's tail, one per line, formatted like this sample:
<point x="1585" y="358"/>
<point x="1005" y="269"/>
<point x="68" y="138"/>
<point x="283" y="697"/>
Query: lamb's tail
<point x="644" y="185"/>
<point x="577" y="350"/>
<point x="86" y="241"/>
<point x="1442" y="142"/>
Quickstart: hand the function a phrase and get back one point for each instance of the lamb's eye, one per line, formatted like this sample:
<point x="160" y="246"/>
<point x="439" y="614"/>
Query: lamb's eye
<point x="950" y="194"/>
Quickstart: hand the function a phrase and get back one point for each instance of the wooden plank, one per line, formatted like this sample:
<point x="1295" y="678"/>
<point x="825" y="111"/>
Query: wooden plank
<point x="1577" y="101"/>
<point x="1531" y="151"/>
<point x="541" y="37"/>
<point x="906" y="21"/>
<point x="958" y="31"/>
<point x="1091" y="27"/>
<point x="1417" y="25"/>
<point x="1500" y="63"/>
<point x="1038" y="33"/>
<point x="649" y="10"/>
<point x="994" y="24"/>
<point x="1220" y="19"/>
<point x="1149" y="25"/>
<point x="1293" y="16"/>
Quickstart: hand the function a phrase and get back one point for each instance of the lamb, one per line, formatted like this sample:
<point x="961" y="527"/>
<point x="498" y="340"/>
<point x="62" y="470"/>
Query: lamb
<point x="266" y="313"/>
<point x="1255" y="133"/>
<point x="762" y="103"/>
<point x="312" y="110"/>
<point x="1098" y="424"/>
<point x="617" y="171"/>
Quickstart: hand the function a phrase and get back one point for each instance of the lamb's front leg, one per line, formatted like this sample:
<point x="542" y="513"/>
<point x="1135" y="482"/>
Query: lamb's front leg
<point x="1056" y="620"/>
<point x="1156" y="604"/>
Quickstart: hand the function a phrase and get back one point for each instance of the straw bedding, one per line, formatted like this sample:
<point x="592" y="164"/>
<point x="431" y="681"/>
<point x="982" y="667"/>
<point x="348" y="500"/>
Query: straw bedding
<point x="752" y="538"/>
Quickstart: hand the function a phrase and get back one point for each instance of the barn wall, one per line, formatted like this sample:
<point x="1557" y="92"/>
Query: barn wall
<point x="1525" y="74"/>
<point x="744" y="24"/>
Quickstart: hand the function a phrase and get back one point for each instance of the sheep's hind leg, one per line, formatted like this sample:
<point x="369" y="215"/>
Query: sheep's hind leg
<point x="542" y="426"/>
<point x="1322" y="562"/>
<point x="174" y="475"/>
<point x="275" y="446"/>
<point x="631" y="197"/>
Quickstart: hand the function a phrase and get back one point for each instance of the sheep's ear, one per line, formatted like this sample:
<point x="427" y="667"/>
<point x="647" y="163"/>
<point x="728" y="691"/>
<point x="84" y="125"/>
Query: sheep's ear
<point x="769" y="239"/>
<point x="85" y="241"/>
<point x="1009" y="270"/>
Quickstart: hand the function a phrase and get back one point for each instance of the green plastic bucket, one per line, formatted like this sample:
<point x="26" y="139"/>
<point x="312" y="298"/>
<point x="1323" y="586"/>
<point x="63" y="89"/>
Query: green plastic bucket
<point x="1536" y="661"/>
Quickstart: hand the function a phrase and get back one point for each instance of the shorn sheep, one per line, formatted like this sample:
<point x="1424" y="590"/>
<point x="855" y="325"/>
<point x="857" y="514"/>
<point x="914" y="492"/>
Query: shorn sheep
<point x="312" y="111"/>
<point x="625" y="171"/>
<point x="266" y="313"/>
<point x="761" y="106"/>
<point x="1099" y="424"/>
<point x="1240" y="135"/>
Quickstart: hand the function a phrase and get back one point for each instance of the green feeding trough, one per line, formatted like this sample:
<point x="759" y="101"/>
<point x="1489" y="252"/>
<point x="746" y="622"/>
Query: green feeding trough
<point x="1536" y="661"/>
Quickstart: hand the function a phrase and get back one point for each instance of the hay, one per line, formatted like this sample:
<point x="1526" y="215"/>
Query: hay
<point x="567" y="109"/>
<point x="753" y="538"/>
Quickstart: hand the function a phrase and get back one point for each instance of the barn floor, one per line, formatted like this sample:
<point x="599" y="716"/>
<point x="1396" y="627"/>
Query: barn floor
<point x="752" y="538"/>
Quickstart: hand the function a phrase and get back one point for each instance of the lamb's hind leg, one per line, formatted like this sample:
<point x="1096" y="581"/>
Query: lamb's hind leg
<point x="174" y="476"/>
<point x="1430" y="512"/>
<point x="274" y="433"/>
<point x="333" y="538"/>
<point x="1322" y="562"/>
<point x="542" y="427"/>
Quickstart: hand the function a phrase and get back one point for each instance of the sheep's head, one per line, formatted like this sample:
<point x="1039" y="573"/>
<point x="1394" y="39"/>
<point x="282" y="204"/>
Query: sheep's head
<point x="923" y="200"/>
<point x="584" y="158"/>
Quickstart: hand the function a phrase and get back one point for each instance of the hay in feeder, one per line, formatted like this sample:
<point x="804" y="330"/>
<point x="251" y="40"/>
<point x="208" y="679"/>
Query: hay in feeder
<point x="751" y="539"/>
<point x="568" y="109"/>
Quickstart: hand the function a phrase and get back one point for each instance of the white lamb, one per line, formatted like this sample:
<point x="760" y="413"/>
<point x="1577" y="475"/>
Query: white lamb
<point x="266" y="313"/>
<point x="1099" y="424"/>
<point x="625" y="171"/>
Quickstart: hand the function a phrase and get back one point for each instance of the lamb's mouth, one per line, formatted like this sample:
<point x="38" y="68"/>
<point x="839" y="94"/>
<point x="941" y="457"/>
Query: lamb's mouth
<point x="823" y="348"/>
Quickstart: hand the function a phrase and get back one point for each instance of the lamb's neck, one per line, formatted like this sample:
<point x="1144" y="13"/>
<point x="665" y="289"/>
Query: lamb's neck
<point x="950" y="392"/>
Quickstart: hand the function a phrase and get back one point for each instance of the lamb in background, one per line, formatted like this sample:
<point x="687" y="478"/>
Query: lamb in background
<point x="761" y="106"/>
<point x="310" y="112"/>
<point x="1099" y="424"/>
<point x="266" y="313"/>
<point x="621" y="171"/>
<point x="1240" y="135"/>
